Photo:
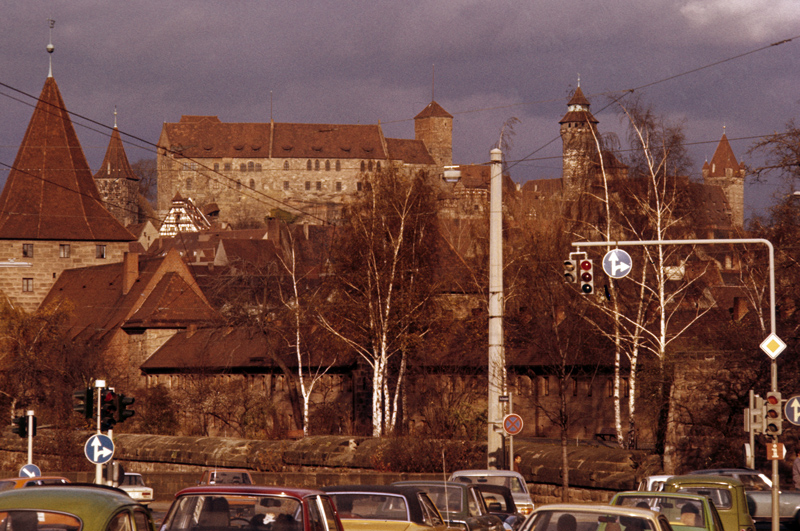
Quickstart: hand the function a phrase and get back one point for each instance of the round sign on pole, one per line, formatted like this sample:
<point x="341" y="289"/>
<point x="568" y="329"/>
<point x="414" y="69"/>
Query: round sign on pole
<point x="512" y="424"/>
<point x="30" y="471"/>
<point x="99" y="449"/>
<point x="792" y="410"/>
<point x="617" y="263"/>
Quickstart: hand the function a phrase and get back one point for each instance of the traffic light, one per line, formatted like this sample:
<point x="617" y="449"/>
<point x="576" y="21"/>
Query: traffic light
<point x="754" y="417"/>
<point x="773" y="415"/>
<point x="570" y="271"/>
<point x="108" y="409"/>
<point x="84" y="402"/>
<point x="123" y="413"/>
<point x="21" y="427"/>
<point x="587" y="277"/>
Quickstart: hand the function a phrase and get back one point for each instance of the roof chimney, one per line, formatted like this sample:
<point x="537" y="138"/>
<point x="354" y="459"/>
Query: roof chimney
<point x="130" y="271"/>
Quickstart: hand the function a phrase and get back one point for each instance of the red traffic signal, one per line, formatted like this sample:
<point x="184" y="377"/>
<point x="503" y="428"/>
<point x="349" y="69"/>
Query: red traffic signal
<point x="587" y="277"/>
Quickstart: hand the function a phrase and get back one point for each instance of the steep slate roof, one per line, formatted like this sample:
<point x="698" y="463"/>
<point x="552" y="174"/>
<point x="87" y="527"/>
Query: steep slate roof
<point x="578" y="109"/>
<point x="411" y="151"/>
<point x="723" y="159"/>
<point x="163" y="295"/>
<point x="50" y="193"/>
<point x="115" y="164"/>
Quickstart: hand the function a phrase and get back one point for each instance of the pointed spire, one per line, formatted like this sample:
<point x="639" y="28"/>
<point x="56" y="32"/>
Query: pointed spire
<point x="50" y="193"/>
<point x="50" y="47"/>
<point x="723" y="158"/>
<point x="115" y="163"/>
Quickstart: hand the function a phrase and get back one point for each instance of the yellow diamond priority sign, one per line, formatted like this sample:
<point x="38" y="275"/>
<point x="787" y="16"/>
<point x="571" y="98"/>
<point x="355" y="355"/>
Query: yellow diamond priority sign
<point x="773" y="346"/>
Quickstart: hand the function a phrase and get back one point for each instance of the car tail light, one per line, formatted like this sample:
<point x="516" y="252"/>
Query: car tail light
<point x="525" y="508"/>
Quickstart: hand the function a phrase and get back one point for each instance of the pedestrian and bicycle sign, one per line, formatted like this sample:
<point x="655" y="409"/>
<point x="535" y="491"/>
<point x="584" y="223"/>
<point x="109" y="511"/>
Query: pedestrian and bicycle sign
<point x="99" y="449"/>
<point x="617" y="263"/>
<point x="512" y="424"/>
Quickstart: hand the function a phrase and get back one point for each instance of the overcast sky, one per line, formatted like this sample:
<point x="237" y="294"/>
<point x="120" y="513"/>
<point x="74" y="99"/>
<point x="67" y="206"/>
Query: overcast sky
<point x="361" y="61"/>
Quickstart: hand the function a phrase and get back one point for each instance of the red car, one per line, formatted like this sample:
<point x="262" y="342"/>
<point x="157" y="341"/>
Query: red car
<point x="256" y="508"/>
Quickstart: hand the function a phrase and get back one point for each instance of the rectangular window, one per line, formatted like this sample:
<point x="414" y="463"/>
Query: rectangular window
<point x="574" y="387"/>
<point x="100" y="251"/>
<point x="27" y="250"/>
<point x="308" y="185"/>
<point x="338" y="187"/>
<point x="359" y="186"/>
<point x="546" y="386"/>
<point x="227" y="166"/>
<point x="216" y="166"/>
<point x="285" y="185"/>
<point x="27" y="284"/>
<point x="63" y="250"/>
<point x="319" y="185"/>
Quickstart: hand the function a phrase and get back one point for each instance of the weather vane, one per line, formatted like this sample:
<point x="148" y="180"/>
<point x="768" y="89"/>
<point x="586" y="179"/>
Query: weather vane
<point x="50" y="47"/>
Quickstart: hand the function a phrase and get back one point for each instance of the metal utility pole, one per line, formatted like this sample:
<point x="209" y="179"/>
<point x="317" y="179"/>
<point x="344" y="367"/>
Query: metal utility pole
<point x="98" y="469"/>
<point x="497" y="358"/>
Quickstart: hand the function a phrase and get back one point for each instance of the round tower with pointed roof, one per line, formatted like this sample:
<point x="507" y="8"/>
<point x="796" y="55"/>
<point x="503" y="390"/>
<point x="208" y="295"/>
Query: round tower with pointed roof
<point x="117" y="184"/>
<point x="726" y="172"/>
<point x="578" y="131"/>
<point x="434" y="127"/>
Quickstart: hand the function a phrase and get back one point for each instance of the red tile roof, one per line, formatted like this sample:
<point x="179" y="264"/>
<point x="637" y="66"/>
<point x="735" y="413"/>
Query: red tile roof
<point x="115" y="164"/>
<point x="50" y="193"/>
<point x="723" y="159"/>
<point x="409" y="151"/>
<point x="433" y="109"/>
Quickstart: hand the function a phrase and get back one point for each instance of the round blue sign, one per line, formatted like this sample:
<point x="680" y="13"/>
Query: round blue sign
<point x="30" y="471"/>
<point x="99" y="449"/>
<point x="617" y="263"/>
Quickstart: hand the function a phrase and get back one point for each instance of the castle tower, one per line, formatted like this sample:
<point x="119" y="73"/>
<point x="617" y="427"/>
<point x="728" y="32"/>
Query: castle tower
<point x="578" y="129"/>
<point x="434" y="127"/>
<point x="117" y="184"/>
<point x="51" y="215"/>
<point x="724" y="171"/>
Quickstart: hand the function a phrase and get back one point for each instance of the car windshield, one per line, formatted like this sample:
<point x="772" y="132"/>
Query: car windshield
<point x="371" y="506"/>
<point x="754" y="482"/>
<point x="512" y="482"/>
<point x="576" y="520"/>
<point x="220" y="512"/>
<point x="721" y="497"/>
<point x="35" y="520"/>
<point x="679" y="512"/>
<point x="496" y="503"/>
<point x="132" y="481"/>
<point x="222" y="477"/>
<point x="438" y="494"/>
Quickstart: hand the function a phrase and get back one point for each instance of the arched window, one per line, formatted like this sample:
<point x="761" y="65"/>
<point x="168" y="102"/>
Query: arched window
<point x="338" y="165"/>
<point x="251" y="166"/>
<point x="327" y="165"/>
<point x="363" y="166"/>
<point x="189" y="183"/>
<point x="285" y="164"/>
<point x="252" y="184"/>
<point x="258" y="166"/>
<point x="369" y="166"/>
<point x="316" y="164"/>
<point x="308" y="165"/>
<point x="242" y="167"/>
<point x="378" y="166"/>
<point x="239" y="183"/>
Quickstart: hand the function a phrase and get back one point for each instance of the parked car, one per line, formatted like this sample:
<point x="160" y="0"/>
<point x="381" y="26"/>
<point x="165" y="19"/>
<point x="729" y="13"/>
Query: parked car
<point x="594" y="517"/>
<point x="682" y="510"/>
<point x="385" y="508"/>
<point x="758" y="488"/>
<point x="727" y="494"/>
<point x="653" y="483"/>
<point x="18" y="483"/>
<point x="507" y="478"/>
<point x="500" y="502"/>
<point x="226" y="476"/>
<point x="81" y="507"/>
<point x="133" y="484"/>
<point x="232" y="507"/>
<point x="460" y="504"/>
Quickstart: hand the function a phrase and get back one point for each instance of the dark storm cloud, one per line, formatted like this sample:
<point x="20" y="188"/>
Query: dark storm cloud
<point x="361" y="61"/>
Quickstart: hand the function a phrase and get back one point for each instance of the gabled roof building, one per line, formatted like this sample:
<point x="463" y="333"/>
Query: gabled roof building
<point x="52" y="217"/>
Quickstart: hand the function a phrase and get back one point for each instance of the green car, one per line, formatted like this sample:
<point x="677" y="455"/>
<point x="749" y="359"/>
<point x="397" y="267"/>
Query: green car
<point x="685" y="512"/>
<point x="726" y="493"/>
<point x="72" y="508"/>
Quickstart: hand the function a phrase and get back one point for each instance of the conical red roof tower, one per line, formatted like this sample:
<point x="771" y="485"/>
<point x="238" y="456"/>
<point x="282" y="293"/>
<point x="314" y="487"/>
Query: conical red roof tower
<point x="50" y="193"/>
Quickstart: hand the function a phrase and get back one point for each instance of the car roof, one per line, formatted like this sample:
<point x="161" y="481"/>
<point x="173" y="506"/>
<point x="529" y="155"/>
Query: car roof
<point x="485" y="472"/>
<point x="434" y="483"/>
<point x="93" y="504"/>
<point x="660" y="494"/>
<point x="693" y="479"/>
<point x="717" y="471"/>
<point x="35" y="478"/>
<point x="249" y="490"/>
<point x="595" y="508"/>
<point x="403" y="490"/>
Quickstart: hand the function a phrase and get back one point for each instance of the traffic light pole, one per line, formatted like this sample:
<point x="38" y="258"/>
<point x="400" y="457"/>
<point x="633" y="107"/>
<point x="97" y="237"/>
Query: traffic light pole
<point x="30" y="436"/>
<point x="774" y="365"/>
<point x="98" y="469"/>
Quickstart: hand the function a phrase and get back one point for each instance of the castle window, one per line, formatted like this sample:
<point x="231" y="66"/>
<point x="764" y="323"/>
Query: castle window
<point x="285" y="164"/>
<point x="100" y="251"/>
<point x="189" y="183"/>
<point x="338" y="165"/>
<point x="363" y="166"/>
<point x="227" y="166"/>
<point x="285" y="185"/>
<point x="251" y="166"/>
<point x="626" y="390"/>
<point x="308" y="185"/>
<point x="319" y="185"/>
<point x="258" y="166"/>
<point x="27" y="250"/>
<point x="369" y="166"/>
<point x="216" y="166"/>
<point x="359" y="185"/>
<point x="574" y="383"/>
<point x="609" y="388"/>
<point x="327" y="165"/>
<point x="316" y="164"/>
<point x="63" y="250"/>
<point x="338" y="186"/>
<point x="252" y="184"/>
<point x="308" y="165"/>
<point x="27" y="284"/>
<point x="545" y="386"/>
<point x="238" y="184"/>
<point x="242" y="167"/>
<point x="378" y="166"/>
